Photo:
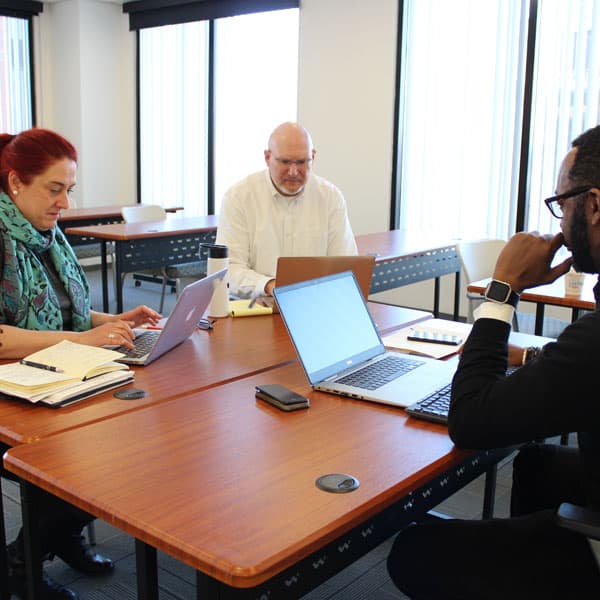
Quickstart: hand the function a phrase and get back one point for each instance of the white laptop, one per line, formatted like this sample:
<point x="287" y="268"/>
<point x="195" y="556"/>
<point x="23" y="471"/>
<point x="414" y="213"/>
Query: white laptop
<point x="335" y="338"/>
<point x="189" y="308"/>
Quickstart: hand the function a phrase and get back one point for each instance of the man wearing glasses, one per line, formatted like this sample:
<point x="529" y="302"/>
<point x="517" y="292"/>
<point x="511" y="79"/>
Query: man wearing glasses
<point x="285" y="210"/>
<point x="527" y="556"/>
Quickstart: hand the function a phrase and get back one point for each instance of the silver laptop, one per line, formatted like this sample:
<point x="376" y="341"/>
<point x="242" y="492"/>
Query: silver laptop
<point x="189" y="308"/>
<point x="337" y="343"/>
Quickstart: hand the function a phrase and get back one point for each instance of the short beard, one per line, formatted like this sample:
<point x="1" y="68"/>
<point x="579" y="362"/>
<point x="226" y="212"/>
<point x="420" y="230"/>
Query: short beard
<point x="579" y="242"/>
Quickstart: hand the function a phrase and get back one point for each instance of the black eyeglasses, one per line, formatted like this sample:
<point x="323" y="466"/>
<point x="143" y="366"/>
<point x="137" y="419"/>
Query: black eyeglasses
<point x="555" y="205"/>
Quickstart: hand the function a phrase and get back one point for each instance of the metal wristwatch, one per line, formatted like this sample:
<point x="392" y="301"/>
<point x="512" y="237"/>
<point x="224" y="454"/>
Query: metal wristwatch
<point x="501" y="293"/>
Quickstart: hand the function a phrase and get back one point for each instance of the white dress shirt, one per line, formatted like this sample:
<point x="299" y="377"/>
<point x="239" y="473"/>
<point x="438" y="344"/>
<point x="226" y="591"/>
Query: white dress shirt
<point x="259" y="225"/>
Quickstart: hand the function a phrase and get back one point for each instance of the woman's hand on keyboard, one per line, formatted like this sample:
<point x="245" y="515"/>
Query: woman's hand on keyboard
<point x="113" y="333"/>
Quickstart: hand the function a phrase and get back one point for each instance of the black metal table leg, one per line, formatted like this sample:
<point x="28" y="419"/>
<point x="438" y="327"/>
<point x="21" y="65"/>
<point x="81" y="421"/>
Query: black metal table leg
<point x="147" y="572"/>
<point x="31" y="537"/>
<point x="4" y="593"/>
<point x="489" y="496"/>
<point x="104" y="264"/>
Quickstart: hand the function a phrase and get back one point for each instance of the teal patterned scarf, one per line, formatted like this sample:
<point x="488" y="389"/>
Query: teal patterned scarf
<point x="27" y="298"/>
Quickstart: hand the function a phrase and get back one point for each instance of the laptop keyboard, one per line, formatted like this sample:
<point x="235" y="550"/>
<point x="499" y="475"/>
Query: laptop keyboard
<point x="375" y="375"/>
<point x="143" y="344"/>
<point x="435" y="406"/>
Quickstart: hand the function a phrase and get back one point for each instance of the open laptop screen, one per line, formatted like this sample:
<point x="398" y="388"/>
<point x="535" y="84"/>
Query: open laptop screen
<point x="329" y="324"/>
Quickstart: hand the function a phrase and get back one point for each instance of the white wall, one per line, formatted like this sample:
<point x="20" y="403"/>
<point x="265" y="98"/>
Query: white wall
<point x="85" y="75"/>
<point x="347" y="65"/>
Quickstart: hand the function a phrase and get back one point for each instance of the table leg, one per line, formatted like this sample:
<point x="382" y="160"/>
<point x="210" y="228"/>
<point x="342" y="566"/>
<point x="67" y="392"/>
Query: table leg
<point x="31" y="538"/>
<point x="147" y="572"/>
<point x="489" y="495"/>
<point x="206" y="587"/>
<point x="104" y="264"/>
<point x="118" y="267"/>
<point x="4" y="595"/>
<point x="436" y="298"/>
<point x="456" y="295"/>
<point x="539" y="318"/>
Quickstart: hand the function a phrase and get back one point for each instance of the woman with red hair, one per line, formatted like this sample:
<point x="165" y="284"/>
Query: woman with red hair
<point x="44" y="298"/>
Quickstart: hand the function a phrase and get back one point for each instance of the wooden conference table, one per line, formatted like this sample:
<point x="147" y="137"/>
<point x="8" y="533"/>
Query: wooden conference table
<point x="226" y="484"/>
<point x="148" y="245"/>
<point x="233" y="349"/>
<point x="402" y="257"/>
<point x="552" y="294"/>
<point x="94" y="215"/>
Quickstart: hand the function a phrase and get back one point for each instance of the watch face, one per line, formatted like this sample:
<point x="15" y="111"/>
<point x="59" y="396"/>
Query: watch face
<point x="498" y="291"/>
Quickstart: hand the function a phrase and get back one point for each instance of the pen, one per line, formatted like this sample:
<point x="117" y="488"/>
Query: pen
<point x="37" y="365"/>
<point x="252" y="302"/>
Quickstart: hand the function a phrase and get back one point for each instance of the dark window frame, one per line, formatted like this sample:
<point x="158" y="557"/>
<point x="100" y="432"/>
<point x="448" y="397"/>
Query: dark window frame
<point x="25" y="9"/>
<point x="251" y="6"/>
<point x="523" y="175"/>
<point x="155" y="13"/>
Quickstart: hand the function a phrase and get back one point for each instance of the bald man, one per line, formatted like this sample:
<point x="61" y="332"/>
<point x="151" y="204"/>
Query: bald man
<point x="285" y="210"/>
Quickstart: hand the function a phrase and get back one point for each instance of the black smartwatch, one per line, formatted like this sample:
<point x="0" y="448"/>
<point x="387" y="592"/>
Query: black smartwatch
<point x="501" y="292"/>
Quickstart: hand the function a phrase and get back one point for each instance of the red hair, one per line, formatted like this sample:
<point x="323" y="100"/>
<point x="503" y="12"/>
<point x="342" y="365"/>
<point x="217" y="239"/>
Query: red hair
<point x="31" y="152"/>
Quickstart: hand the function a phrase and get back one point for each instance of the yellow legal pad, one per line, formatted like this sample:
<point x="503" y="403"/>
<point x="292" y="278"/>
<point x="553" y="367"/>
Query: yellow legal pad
<point x="240" y="308"/>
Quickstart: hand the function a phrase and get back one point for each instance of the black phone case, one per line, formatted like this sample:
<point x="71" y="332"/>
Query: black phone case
<point x="281" y="397"/>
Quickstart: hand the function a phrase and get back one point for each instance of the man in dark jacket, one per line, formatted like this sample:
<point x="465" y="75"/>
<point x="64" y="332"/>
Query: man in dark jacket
<point x="527" y="556"/>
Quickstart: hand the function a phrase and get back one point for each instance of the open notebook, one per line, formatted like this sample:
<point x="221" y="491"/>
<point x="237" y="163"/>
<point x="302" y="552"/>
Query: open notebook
<point x="341" y="351"/>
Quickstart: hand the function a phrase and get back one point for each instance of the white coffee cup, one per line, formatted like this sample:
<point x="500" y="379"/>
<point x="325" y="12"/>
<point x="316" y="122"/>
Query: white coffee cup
<point x="574" y="283"/>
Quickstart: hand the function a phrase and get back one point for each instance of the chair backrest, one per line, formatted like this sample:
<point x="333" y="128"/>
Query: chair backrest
<point x="143" y="212"/>
<point x="478" y="257"/>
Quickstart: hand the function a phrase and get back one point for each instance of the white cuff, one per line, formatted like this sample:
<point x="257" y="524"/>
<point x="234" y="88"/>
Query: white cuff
<point x="494" y="310"/>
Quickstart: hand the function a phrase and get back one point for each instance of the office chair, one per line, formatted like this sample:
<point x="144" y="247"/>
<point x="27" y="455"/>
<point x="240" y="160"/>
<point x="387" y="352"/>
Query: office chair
<point x="478" y="258"/>
<point x="194" y="270"/>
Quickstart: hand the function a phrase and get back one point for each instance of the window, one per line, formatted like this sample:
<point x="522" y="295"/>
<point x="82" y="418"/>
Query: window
<point x="256" y="88"/>
<point x="566" y="95"/>
<point x="251" y="81"/>
<point x="173" y="122"/>
<point x="16" y="111"/>
<point x="468" y="104"/>
<point x="459" y="121"/>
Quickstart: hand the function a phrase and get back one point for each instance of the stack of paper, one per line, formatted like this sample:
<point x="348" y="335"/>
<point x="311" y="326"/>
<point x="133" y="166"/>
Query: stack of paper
<point x="63" y="373"/>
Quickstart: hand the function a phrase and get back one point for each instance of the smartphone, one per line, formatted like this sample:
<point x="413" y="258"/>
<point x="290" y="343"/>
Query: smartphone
<point x="434" y="337"/>
<point x="281" y="397"/>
